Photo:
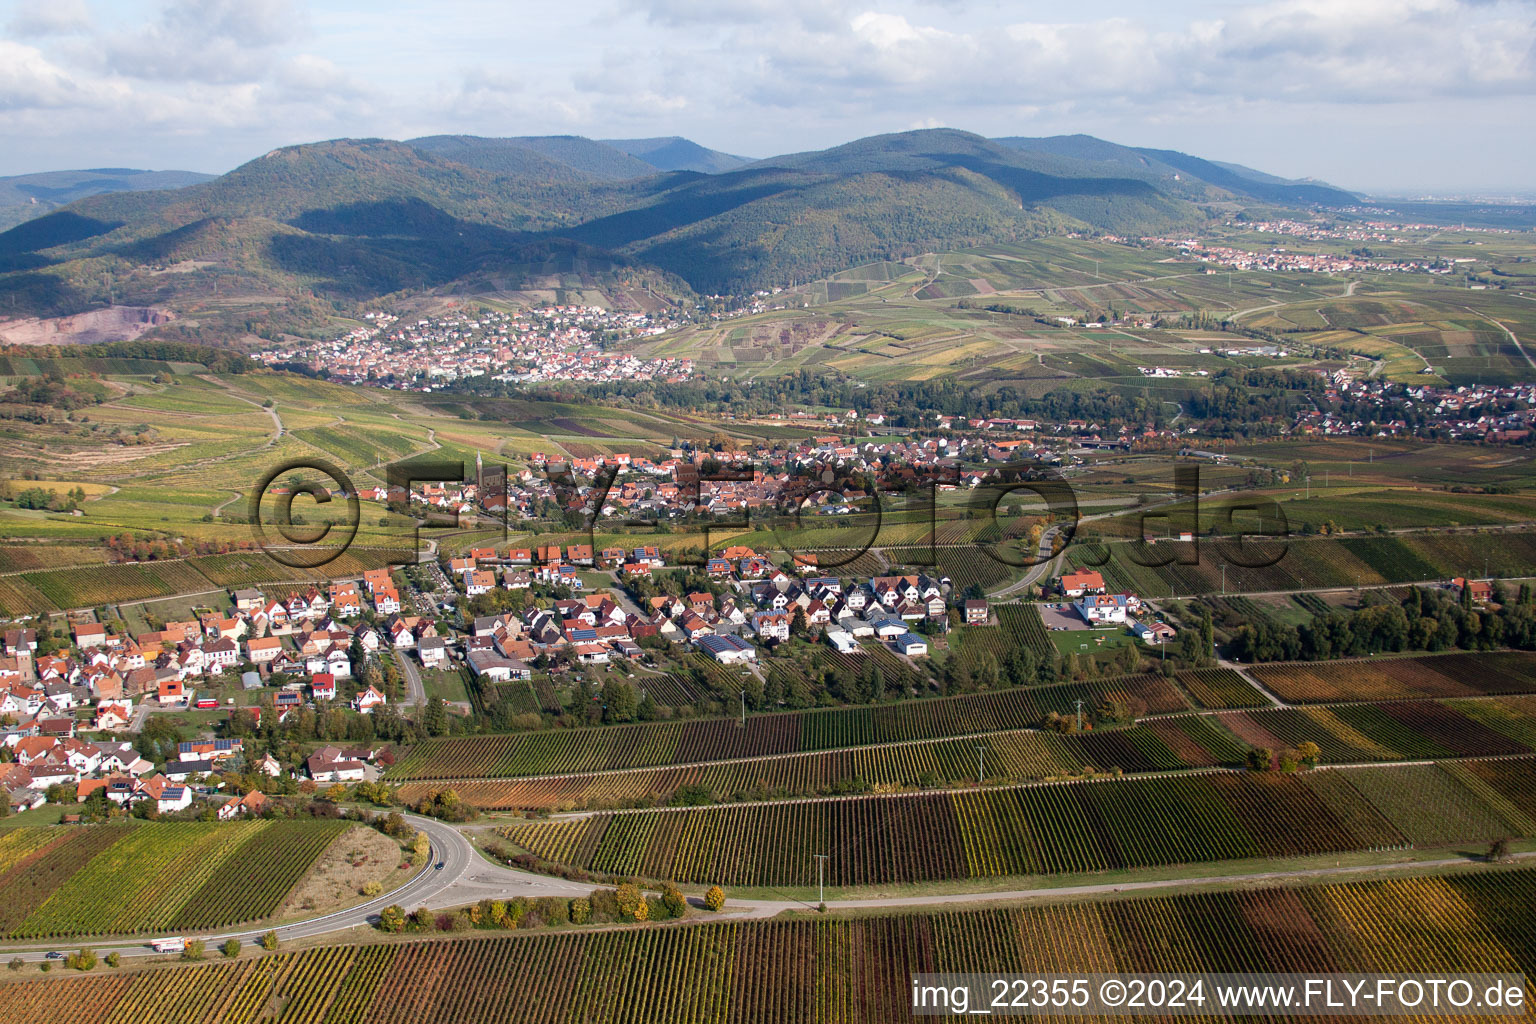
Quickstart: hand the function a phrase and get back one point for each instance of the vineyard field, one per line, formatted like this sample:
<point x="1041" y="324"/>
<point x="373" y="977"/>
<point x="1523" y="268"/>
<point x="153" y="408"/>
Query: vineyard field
<point x="1048" y="829"/>
<point x="673" y="743"/>
<point x="1442" y="675"/>
<point x="1392" y="731"/>
<point x="831" y="970"/>
<point x="1220" y="689"/>
<point x="1184" y="741"/>
<point x="122" y="879"/>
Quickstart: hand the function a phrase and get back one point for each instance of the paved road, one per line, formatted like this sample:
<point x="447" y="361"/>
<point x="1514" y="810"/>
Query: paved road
<point x="415" y="690"/>
<point x="1040" y="568"/>
<point x="465" y="877"/>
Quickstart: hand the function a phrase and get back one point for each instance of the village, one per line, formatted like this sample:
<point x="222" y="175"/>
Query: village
<point x="542" y="344"/>
<point x="317" y="650"/>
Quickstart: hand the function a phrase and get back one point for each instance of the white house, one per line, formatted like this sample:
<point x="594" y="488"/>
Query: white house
<point x="727" y="649"/>
<point x="910" y="644"/>
<point x="368" y="700"/>
<point x="1102" y="609"/>
<point x="842" y="641"/>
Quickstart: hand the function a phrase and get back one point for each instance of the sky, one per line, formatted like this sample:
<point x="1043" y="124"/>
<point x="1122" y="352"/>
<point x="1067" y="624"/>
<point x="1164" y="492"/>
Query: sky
<point x="1385" y="96"/>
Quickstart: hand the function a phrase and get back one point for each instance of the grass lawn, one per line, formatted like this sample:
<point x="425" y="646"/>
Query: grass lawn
<point x="1083" y="641"/>
<point x="449" y="684"/>
<point x="48" y="814"/>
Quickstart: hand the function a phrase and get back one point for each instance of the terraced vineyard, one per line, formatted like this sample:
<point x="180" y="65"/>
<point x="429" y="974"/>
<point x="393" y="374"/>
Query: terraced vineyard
<point x="655" y="745"/>
<point x="1441" y="675"/>
<point x="1184" y="741"/>
<point x="121" y="879"/>
<point x="823" y="970"/>
<point x="1054" y="828"/>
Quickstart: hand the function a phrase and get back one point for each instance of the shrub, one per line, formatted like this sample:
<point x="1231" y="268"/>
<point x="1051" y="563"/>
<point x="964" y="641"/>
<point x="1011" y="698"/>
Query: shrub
<point x="373" y="888"/>
<point x="16" y="963"/>
<point x="194" y="950"/>
<point x="630" y="900"/>
<point x="231" y="948"/>
<point x="269" y="941"/>
<point x="114" y="958"/>
<point x="673" y="901"/>
<point x="714" y="899"/>
<point x="581" y="910"/>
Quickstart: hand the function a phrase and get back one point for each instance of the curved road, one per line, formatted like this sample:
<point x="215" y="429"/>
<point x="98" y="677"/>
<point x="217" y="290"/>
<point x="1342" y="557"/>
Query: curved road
<point x="465" y="877"/>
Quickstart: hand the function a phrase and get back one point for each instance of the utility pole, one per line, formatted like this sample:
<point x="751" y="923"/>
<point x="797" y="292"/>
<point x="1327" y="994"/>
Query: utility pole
<point x="1223" y="577"/>
<point x="743" y="708"/>
<point x="981" y="763"/>
<point x="821" y="860"/>
<point x="1079" y="704"/>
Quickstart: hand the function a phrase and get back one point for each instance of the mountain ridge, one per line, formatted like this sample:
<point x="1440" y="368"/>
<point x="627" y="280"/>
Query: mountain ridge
<point x="349" y="220"/>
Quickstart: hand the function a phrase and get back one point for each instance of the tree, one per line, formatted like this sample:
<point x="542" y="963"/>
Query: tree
<point x="336" y="792"/>
<point x="620" y="703"/>
<point x="231" y="948"/>
<point x="392" y="919"/>
<point x="1309" y="754"/>
<point x="114" y="958"/>
<point x="1260" y="759"/>
<point x="1498" y="850"/>
<point x="714" y="899"/>
<point x="673" y="900"/>
<point x="85" y="960"/>
<point x="194" y="950"/>
<point x="269" y="941"/>
<point x="434" y="718"/>
<point x="581" y="910"/>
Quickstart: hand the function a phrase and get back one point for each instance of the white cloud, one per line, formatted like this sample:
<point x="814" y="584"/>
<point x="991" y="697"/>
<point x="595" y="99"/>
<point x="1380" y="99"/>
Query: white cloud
<point x="51" y="18"/>
<point x="221" y="41"/>
<point x="29" y="80"/>
<point x="233" y="78"/>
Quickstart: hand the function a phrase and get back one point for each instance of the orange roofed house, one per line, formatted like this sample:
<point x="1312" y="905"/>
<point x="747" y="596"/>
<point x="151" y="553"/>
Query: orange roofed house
<point x="1086" y="581"/>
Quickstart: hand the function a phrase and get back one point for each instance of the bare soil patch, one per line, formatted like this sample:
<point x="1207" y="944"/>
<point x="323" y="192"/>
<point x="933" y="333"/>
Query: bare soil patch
<point x="115" y="323"/>
<point x="358" y="856"/>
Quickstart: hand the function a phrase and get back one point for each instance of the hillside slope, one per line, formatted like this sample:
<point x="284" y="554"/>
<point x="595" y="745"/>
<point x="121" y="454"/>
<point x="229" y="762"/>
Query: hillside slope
<point x="352" y="219"/>
<point x="25" y="196"/>
<point x="673" y="153"/>
<point x="1171" y="168"/>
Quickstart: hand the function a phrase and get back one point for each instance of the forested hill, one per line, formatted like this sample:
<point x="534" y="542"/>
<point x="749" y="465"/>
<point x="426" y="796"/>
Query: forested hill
<point x="353" y="219"/>
<point x="1181" y="173"/>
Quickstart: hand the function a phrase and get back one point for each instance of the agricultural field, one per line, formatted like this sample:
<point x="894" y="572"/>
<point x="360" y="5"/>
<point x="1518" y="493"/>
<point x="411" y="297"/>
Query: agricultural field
<point x="1391" y="731"/>
<point x="122" y="879"/>
<point x="1302" y="564"/>
<point x="1041" y="829"/>
<point x="834" y="970"/>
<point x="1441" y="675"/>
<point x="1166" y="744"/>
<point x="669" y="743"/>
<point x="1219" y="688"/>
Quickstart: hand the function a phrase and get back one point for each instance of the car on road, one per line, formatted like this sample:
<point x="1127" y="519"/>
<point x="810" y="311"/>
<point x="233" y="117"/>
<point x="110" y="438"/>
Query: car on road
<point x="53" y="955"/>
<point x="439" y="866"/>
